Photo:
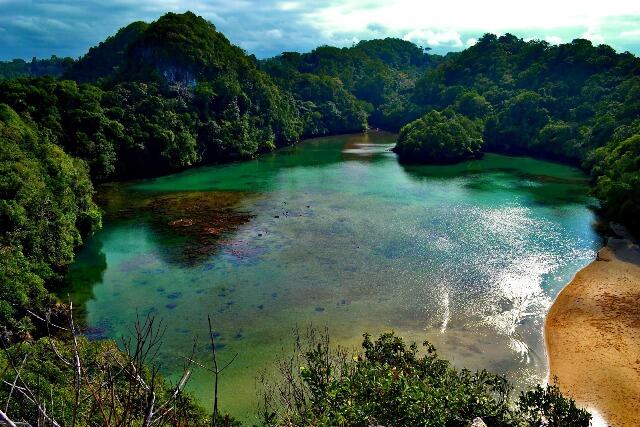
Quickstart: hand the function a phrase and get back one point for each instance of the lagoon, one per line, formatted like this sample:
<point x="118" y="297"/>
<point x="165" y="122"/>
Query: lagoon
<point x="335" y="233"/>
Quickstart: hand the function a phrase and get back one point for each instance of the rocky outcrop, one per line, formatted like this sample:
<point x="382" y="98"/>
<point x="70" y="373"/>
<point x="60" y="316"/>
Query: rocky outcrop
<point x="477" y="422"/>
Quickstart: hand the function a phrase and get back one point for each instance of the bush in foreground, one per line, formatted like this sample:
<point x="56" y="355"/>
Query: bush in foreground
<point x="71" y="381"/>
<point x="390" y="384"/>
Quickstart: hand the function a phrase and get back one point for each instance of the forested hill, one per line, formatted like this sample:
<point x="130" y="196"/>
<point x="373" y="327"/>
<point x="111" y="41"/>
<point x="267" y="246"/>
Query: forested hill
<point x="152" y="99"/>
<point x="573" y="102"/>
<point x="107" y="57"/>
<point x="382" y="73"/>
<point x="53" y="66"/>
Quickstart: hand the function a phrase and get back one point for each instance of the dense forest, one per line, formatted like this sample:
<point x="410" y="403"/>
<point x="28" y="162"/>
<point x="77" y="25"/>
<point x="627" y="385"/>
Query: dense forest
<point x="381" y="74"/>
<point x="53" y="66"/>
<point x="175" y="93"/>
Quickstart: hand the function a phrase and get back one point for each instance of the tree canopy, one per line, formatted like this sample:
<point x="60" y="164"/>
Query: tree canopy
<point x="46" y="208"/>
<point x="440" y="137"/>
<point x="390" y="383"/>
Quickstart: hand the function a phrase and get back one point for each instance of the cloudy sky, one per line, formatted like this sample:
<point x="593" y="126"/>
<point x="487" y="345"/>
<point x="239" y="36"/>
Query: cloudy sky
<point x="266" y="27"/>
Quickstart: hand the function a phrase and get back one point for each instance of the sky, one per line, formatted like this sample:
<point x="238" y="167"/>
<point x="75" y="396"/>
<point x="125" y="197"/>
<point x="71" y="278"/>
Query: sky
<point x="265" y="28"/>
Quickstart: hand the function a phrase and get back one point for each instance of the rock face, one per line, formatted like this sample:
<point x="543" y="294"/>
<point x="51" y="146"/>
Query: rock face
<point x="477" y="422"/>
<point x="180" y="48"/>
<point x="184" y="48"/>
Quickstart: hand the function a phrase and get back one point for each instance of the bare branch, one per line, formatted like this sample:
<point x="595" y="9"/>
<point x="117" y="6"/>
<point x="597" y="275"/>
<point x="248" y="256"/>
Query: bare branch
<point x="13" y="386"/>
<point x="4" y="419"/>
<point x="47" y="321"/>
<point x="227" y="365"/>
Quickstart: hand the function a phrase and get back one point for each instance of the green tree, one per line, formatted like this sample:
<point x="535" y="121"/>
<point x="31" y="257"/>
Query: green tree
<point x="440" y="137"/>
<point x="617" y="172"/>
<point x="390" y="383"/>
<point x="46" y="208"/>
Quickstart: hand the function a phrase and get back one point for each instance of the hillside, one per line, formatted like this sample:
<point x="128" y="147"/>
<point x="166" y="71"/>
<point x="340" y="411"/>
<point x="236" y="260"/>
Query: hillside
<point x="54" y="67"/>
<point x="382" y="73"/>
<point x="107" y="57"/>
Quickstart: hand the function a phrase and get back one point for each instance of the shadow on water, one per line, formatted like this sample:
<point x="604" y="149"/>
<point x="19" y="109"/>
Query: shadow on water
<point x="260" y="174"/>
<point x="193" y="218"/>
<point x="190" y="226"/>
<point x="87" y="271"/>
<point x="193" y="226"/>
<point x="544" y="183"/>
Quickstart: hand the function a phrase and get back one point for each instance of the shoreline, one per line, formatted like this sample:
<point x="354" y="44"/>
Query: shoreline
<point x="592" y="335"/>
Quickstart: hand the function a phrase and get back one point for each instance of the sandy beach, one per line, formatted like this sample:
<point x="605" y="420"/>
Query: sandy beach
<point x="592" y="333"/>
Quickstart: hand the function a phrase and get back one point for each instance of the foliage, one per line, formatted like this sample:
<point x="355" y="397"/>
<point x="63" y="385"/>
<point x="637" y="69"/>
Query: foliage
<point x="53" y="129"/>
<point x="54" y="67"/>
<point x="45" y="208"/>
<point x="561" y="102"/>
<point x="392" y="384"/>
<point x="160" y="134"/>
<point x="74" y="381"/>
<point x="107" y="57"/>
<point x="171" y="94"/>
<point x="545" y="406"/>
<point x="325" y="106"/>
<point x="617" y="172"/>
<point x="472" y="105"/>
<point x="72" y="115"/>
<point x="182" y="47"/>
<point x="175" y="93"/>
<point x="440" y="137"/>
<point x="515" y="128"/>
<point x="380" y="72"/>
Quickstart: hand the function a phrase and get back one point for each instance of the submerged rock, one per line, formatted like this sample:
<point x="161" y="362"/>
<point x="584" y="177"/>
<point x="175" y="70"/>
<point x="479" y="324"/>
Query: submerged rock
<point x="182" y="222"/>
<point x="201" y="219"/>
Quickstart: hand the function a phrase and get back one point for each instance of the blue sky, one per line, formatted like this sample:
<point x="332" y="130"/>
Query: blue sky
<point x="267" y="27"/>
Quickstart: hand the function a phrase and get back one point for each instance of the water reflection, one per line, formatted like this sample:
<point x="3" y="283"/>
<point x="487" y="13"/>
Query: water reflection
<point x="543" y="183"/>
<point x="84" y="274"/>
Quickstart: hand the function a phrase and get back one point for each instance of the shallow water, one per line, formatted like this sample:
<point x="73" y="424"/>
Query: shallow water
<point x="334" y="232"/>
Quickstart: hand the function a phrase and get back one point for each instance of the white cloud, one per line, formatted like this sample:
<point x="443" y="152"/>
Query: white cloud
<point x="630" y="34"/>
<point x="268" y="27"/>
<point x="434" y="38"/>
<point x="488" y="15"/>
<point x="553" y="39"/>
<point x="274" y="34"/>
<point x="471" y="41"/>
<point x="288" y="5"/>
<point x="593" y="37"/>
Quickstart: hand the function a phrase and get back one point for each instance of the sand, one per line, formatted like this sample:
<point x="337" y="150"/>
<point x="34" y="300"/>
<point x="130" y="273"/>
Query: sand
<point x="592" y="334"/>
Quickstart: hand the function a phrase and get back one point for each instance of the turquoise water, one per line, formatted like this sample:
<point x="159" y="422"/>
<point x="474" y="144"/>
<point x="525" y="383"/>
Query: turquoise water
<point x="335" y="232"/>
